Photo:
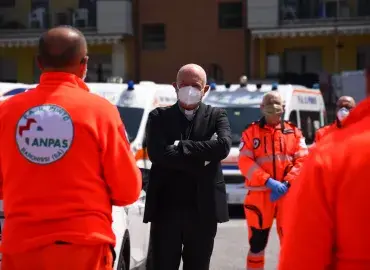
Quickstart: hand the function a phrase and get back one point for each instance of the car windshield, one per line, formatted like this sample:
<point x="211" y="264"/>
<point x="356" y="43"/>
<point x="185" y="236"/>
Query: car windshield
<point x="131" y="117"/>
<point x="239" y="119"/>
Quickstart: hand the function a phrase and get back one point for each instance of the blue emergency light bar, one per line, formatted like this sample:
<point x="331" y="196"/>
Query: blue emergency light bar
<point x="130" y="85"/>
<point x="274" y="86"/>
<point x="316" y="86"/>
<point x="213" y="86"/>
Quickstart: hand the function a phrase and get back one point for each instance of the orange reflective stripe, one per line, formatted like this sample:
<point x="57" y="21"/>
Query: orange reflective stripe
<point x="270" y="158"/>
<point x="256" y="261"/>
<point x="301" y="153"/>
<point x="252" y="170"/>
<point x="246" y="153"/>
<point x="260" y="188"/>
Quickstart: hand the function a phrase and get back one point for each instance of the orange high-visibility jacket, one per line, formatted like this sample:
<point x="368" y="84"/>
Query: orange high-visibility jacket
<point x="271" y="152"/>
<point x="322" y="132"/>
<point x="64" y="161"/>
<point x="328" y="222"/>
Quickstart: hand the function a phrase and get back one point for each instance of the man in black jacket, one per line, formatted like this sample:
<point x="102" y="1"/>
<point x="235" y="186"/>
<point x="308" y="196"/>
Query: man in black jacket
<point x="186" y="195"/>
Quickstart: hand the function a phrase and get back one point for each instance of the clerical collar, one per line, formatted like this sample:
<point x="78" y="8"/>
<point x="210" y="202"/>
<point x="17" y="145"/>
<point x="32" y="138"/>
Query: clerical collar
<point x="189" y="114"/>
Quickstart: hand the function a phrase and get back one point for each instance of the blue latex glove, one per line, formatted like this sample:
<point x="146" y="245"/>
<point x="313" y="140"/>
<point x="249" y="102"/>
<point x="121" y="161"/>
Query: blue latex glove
<point x="276" y="186"/>
<point x="274" y="196"/>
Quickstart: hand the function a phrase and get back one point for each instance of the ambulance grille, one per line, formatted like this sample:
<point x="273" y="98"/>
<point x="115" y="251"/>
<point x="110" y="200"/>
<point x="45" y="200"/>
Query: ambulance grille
<point x="234" y="179"/>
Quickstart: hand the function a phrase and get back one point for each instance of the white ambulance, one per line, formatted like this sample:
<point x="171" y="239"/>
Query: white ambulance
<point x="303" y="106"/>
<point x="134" y="103"/>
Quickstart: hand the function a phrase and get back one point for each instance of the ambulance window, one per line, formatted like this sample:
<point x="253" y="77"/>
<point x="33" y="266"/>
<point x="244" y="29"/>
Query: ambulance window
<point x="309" y="124"/>
<point x="131" y="117"/>
<point x="239" y="119"/>
<point x="293" y="117"/>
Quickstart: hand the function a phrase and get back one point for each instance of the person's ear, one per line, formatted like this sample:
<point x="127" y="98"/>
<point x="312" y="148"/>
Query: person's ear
<point x="84" y="63"/>
<point x="206" y="88"/>
<point x="175" y="86"/>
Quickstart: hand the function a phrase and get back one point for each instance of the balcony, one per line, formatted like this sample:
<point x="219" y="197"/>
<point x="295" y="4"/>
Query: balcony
<point x="30" y="24"/>
<point x="294" y="13"/>
<point x="113" y="17"/>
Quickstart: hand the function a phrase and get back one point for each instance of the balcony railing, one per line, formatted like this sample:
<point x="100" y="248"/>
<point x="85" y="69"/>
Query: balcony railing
<point x="49" y="19"/>
<point x="324" y="12"/>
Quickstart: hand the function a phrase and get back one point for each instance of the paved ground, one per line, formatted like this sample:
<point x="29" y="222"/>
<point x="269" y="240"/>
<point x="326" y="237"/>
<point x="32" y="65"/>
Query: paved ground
<point x="231" y="245"/>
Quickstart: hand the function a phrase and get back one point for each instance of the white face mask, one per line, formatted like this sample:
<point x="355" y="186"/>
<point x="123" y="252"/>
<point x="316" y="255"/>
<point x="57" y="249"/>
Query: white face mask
<point x="342" y="114"/>
<point x="189" y="95"/>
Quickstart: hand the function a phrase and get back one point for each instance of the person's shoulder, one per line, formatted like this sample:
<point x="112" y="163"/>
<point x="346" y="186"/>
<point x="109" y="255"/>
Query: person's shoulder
<point x="209" y="109"/>
<point x="292" y="127"/>
<point x="253" y="125"/>
<point x="14" y="100"/>
<point x="290" y="124"/>
<point x="98" y="104"/>
<point x="357" y="132"/>
<point x="160" y="111"/>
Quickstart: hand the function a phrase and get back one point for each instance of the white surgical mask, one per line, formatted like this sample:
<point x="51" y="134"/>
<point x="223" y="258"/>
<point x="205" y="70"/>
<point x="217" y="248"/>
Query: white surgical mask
<point x="189" y="95"/>
<point x="342" y="114"/>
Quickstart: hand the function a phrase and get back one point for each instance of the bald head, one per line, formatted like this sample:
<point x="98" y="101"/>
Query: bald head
<point x="191" y="74"/>
<point x="190" y="77"/>
<point x="271" y="98"/>
<point x="346" y="102"/>
<point x="62" y="47"/>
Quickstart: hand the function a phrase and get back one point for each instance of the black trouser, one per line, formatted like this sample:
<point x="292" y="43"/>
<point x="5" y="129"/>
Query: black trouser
<point x="181" y="234"/>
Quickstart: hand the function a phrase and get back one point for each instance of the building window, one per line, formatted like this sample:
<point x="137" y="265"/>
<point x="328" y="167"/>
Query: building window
<point x="363" y="57"/>
<point x="230" y="15"/>
<point x="273" y="65"/>
<point x="153" y="36"/>
<point x="7" y="3"/>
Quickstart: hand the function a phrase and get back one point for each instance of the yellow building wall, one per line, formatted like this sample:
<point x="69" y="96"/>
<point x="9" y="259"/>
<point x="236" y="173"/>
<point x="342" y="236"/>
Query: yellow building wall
<point x="347" y="55"/>
<point x="25" y="58"/>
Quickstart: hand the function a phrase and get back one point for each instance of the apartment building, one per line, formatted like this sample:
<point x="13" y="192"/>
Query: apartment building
<point x="207" y="32"/>
<point x="107" y="25"/>
<point x="308" y="37"/>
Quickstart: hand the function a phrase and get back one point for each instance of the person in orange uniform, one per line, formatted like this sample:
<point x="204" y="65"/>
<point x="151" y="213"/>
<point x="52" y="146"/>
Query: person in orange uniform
<point x="272" y="152"/>
<point x="344" y="105"/>
<point x="66" y="161"/>
<point x="328" y="224"/>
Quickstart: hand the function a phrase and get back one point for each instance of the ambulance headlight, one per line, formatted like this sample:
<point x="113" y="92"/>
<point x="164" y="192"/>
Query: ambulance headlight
<point x="274" y="86"/>
<point x="130" y="85"/>
<point x="213" y="86"/>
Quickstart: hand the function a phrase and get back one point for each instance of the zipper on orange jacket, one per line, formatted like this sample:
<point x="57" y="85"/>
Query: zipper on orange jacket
<point x="273" y="154"/>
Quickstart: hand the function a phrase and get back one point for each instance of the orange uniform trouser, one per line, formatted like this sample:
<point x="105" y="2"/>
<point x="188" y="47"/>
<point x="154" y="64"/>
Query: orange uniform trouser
<point x="260" y="213"/>
<point x="61" y="257"/>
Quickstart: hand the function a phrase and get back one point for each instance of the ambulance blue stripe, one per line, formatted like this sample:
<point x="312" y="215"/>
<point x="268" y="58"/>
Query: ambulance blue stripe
<point x="230" y="167"/>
